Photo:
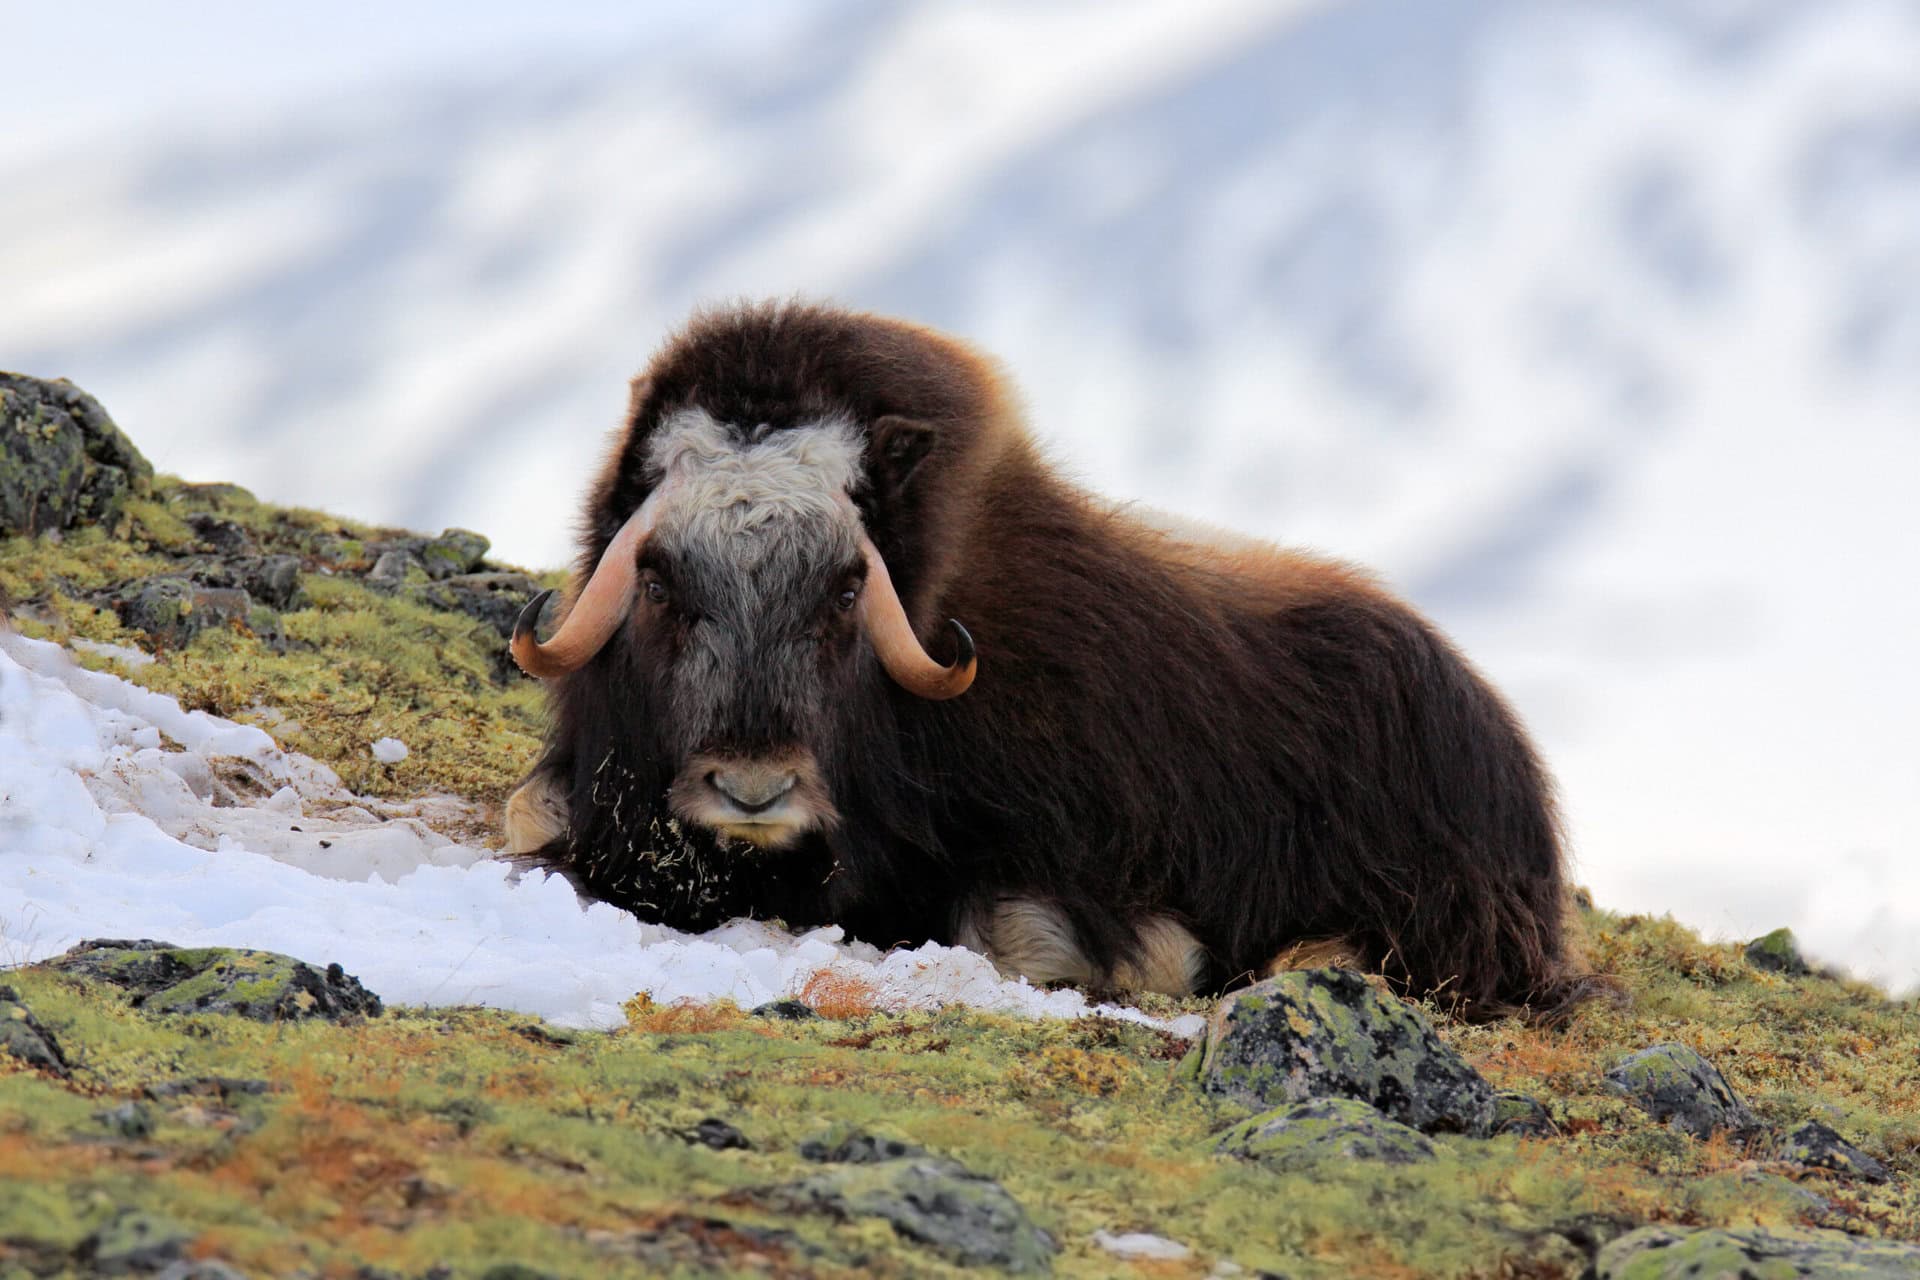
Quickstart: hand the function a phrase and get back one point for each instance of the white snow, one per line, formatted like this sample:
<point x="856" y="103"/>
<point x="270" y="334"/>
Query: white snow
<point x="123" y="816"/>
<point x="1141" y="1246"/>
<point x="389" y="750"/>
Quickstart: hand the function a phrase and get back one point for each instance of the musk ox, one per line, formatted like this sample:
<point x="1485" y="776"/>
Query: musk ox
<point x="843" y="647"/>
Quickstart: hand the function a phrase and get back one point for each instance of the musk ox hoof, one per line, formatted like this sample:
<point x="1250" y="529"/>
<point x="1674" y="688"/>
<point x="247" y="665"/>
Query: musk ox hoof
<point x="1327" y="1033"/>
<point x="1671" y="1082"/>
<point x="1301" y="1135"/>
<point x="1660" y="1253"/>
<point x="261" y="985"/>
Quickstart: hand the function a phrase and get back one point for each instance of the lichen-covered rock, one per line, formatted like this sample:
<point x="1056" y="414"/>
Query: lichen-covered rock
<point x="1326" y="1033"/>
<point x="261" y="985"/>
<point x="1818" y="1147"/>
<point x="274" y="581"/>
<point x="1304" y="1134"/>
<point x="1781" y="1253"/>
<point x="493" y="598"/>
<point x="62" y="460"/>
<point x="1522" y="1116"/>
<point x="1779" y="952"/>
<point x="968" y="1218"/>
<point x="395" y="567"/>
<point x="173" y="610"/>
<point x="454" y="552"/>
<point x="134" y="1242"/>
<point x="857" y="1147"/>
<point x="22" y="1036"/>
<point x="1674" y="1083"/>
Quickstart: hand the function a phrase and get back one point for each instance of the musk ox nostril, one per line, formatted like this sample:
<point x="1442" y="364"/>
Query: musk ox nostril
<point x="753" y="790"/>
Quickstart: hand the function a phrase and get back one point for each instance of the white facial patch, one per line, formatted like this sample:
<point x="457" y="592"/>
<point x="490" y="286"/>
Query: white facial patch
<point x="742" y="496"/>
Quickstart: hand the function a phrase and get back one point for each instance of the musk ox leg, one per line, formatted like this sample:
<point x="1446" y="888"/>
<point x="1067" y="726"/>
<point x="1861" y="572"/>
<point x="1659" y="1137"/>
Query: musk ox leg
<point x="536" y="814"/>
<point x="1027" y="939"/>
<point x="1169" y="960"/>
<point x="1321" y="953"/>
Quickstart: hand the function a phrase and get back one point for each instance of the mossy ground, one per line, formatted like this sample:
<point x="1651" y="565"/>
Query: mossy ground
<point x="464" y="1138"/>
<point x="467" y="1138"/>
<point x="353" y="666"/>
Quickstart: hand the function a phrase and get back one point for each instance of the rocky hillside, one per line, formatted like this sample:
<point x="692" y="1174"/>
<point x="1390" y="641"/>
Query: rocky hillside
<point x="213" y="1112"/>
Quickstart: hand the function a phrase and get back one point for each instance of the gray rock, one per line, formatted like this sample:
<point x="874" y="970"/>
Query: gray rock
<point x="1522" y="1116"/>
<point x="261" y="985"/>
<point x="717" y="1134"/>
<point x="173" y="610"/>
<point x="785" y="1010"/>
<point x="1326" y="1033"/>
<point x="221" y="537"/>
<point x="274" y="581"/>
<point x="967" y="1218"/>
<point x="1817" y="1147"/>
<point x="62" y="460"/>
<point x="858" y="1147"/>
<point x="393" y="567"/>
<point x="134" y="1242"/>
<point x="22" y="1036"/>
<point x="1779" y="952"/>
<point x="493" y="598"/>
<point x="1780" y="1253"/>
<point x="128" y="1120"/>
<point x="1673" y="1083"/>
<point x="456" y="551"/>
<point x="1303" y="1134"/>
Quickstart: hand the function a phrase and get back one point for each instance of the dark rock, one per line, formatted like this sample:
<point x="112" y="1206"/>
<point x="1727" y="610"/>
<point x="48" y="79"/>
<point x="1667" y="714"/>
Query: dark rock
<point x="968" y="1218"/>
<point x="221" y="537"/>
<point x="274" y="581"/>
<point x="1817" y="1147"/>
<point x="134" y="1242"/>
<point x="1326" y="1033"/>
<point x="1673" y="1083"/>
<point x="787" y="1010"/>
<point x="132" y="1120"/>
<point x="1779" y="1253"/>
<point x="717" y="1134"/>
<point x="858" y="1148"/>
<point x="22" y="1036"/>
<point x="62" y="460"/>
<point x="1303" y="1134"/>
<point x="1522" y="1116"/>
<point x="173" y="610"/>
<point x="493" y="598"/>
<point x="456" y="551"/>
<point x="222" y="1088"/>
<point x="1779" y="952"/>
<point x="261" y="985"/>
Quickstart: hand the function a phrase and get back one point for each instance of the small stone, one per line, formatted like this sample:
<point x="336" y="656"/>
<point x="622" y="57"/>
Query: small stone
<point x="858" y="1147"/>
<point x="1778" y="952"/>
<point x="393" y="568"/>
<point x="22" y="1036"/>
<point x="1327" y="1033"/>
<point x="1674" y="1083"/>
<point x="1141" y="1246"/>
<point x="1303" y="1134"/>
<point x="1817" y="1147"/>
<point x="275" y="581"/>
<point x="967" y="1218"/>
<point x="131" y="1120"/>
<point x="1778" y="1253"/>
<point x="454" y="552"/>
<point x="389" y="750"/>
<point x="786" y="1010"/>
<point x="716" y="1134"/>
<point x="134" y="1241"/>
<point x="1521" y="1116"/>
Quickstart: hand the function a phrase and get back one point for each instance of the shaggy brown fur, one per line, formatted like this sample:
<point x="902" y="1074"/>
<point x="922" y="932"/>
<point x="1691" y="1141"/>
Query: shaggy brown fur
<point x="1260" y="748"/>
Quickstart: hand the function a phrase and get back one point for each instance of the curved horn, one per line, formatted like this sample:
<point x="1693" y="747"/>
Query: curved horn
<point x="884" y="619"/>
<point x="597" y="614"/>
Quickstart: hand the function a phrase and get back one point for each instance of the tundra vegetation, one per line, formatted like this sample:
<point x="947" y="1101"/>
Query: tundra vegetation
<point x="206" y="1110"/>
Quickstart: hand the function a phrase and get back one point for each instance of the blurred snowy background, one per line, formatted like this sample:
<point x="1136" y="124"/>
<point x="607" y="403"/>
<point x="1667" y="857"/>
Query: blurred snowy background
<point x="1594" y="325"/>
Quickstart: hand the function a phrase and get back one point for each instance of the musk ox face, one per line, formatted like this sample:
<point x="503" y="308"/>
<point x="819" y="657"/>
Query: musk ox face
<point x="747" y="596"/>
<point x="751" y="577"/>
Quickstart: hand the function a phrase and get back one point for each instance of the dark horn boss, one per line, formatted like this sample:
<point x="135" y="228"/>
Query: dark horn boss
<point x="843" y="648"/>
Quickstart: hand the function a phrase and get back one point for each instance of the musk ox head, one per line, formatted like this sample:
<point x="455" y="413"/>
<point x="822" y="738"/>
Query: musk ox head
<point x="746" y="597"/>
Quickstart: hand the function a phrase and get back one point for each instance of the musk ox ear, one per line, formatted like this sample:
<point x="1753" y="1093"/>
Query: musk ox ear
<point x="899" y="446"/>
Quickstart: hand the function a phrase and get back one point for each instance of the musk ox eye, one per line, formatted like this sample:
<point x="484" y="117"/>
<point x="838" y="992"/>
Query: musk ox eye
<point x="656" y="591"/>
<point x="844" y="601"/>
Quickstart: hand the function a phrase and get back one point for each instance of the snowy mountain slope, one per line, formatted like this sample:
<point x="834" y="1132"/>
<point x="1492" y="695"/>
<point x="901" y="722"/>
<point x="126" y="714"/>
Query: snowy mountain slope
<point x="1594" y="325"/>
